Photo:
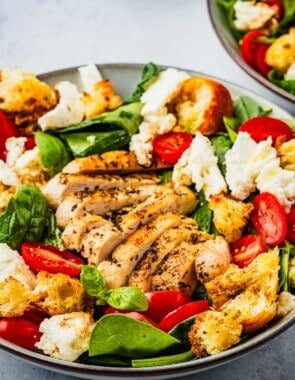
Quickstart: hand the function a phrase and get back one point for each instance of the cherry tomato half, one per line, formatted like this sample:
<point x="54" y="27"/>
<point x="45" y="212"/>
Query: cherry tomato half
<point x="269" y="219"/>
<point x="170" y="146"/>
<point x="132" y="314"/>
<point x="261" y="127"/>
<point x="260" y="61"/>
<point x="181" y="313"/>
<point x="39" y="256"/>
<point x="291" y="225"/>
<point x="7" y="129"/>
<point x="20" y="331"/>
<point x="245" y="249"/>
<point x="277" y="6"/>
<point x="249" y="45"/>
<point x="163" y="302"/>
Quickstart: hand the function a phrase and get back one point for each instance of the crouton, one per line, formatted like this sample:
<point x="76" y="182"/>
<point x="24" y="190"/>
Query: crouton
<point x="214" y="331"/>
<point x="24" y="98"/>
<point x="201" y="105"/>
<point x="229" y="215"/>
<point x="58" y="293"/>
<point x="15" y="297"/>
<point x="286" y="152"/>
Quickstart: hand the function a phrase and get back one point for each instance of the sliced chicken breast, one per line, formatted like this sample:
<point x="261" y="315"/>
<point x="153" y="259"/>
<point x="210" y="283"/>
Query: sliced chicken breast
<point x="125" y="256"/>
<point x="100" y="202"/>
<point x="181" y="201"/>
<point x="63" y="185"/>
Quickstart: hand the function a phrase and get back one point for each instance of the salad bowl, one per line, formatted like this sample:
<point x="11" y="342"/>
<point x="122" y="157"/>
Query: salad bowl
<point x="124" y="78"/>
<point x="219" y="21"/>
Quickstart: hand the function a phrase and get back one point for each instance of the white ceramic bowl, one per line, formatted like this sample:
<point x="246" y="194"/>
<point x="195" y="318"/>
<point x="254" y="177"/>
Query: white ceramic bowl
<point x="124" y="78"/>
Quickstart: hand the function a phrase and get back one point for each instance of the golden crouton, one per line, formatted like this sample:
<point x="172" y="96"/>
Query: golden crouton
<point x="201" y="105"/>
<point x="58" y="293"/>
<point x="15" y="297"/>
<point x="235" y="280"/>
<point x="214" y="331"/>
<point x="281" y="53"/>
<point x="6" y="192"/>
<point x="24" y="98"/>
<point x="229" y="216"/>
<point x="286" y="152"/>
<point x="102" y="98"/>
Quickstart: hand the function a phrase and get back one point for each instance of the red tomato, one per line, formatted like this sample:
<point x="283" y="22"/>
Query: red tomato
<point x="245" y="249"/>
<point x="30" y="143"/>
<point x="7" y="129"/>
<point x="249" y="45"/>
<point x="260" y="61"/>
<point x="39" y="256"/>
<point x="269" y="219"/>
<point x="291" y="225"/>
<point x="132" y="314"/>
<point x="277" y="6"/>
<point x="20" y="331"/>
<point x="164" y="301"/>
<point x="181" y="313"/>
<point x="170" y="146"/>
<point x="261" y="127"/>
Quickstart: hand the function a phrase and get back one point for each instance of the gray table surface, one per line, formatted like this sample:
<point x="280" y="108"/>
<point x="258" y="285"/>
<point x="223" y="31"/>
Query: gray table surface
<point x="45" y="35"/>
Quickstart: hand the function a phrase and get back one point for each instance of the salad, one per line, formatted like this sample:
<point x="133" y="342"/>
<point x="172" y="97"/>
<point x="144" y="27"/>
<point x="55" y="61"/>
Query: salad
<point x="145" y="231"/>
<point x="266" y="35"/>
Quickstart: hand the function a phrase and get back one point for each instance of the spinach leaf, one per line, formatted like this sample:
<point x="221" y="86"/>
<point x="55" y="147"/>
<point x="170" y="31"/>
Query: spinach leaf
<point x="231" y="126"/>
<point x="83" y="144"/>
<point x="128" y="298"/>
<point x="25" y="217"/>
<point x="203" y="215"/>
<point x="180" y="331"/>
<point x="221" y="143"/>
<point x="117" y="334"/>
<point x="163" y="360"/>
<point x="149" y="75"/>
<point x="54" y="153"/>
<point x="106" y="360"/>
<point x="245" y="108"/>
<point x="53" y="235"/>
<point x="123" y="298"/>
<point x="127" y="117"/>
<point x="277" y="78"/>
<point x="166" y="176"/>
<point x="229" y="13"/>
<point x="288" y="19"/>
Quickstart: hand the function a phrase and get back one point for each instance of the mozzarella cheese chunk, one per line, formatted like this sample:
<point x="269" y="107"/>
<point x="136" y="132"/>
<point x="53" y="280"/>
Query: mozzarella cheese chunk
<point x="13" y="265"/>
<point x="251" y="15"/>
<point x="156" y="119"/>
<point x="89" y="75"/>
<point x="198" y="165"/>
<point x="66" y="336"/>
<point x="7" y="176"/>
<point x="69" y="109"/>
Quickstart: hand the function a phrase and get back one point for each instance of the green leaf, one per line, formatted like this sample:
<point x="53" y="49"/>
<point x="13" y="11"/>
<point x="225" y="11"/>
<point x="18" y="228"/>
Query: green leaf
<point x="25" y="217"/>
<point x="231" y="126"/>
<point x="54" y="153"/>
<point x="128" y="298"/>
<point x="203" y="215"/>
<point x="53" y="235"/>
<point x="245" y="108"/>
<point x="278" y="79"/>
<point x="149" y="74"/>
<point x="180" y="331"/>
<point x="94" y="283"/>
<point x="163" y="360"/>
<point x="84" y="144"/>
<point x="117" y="334"/>
<point x="221" y="143"/>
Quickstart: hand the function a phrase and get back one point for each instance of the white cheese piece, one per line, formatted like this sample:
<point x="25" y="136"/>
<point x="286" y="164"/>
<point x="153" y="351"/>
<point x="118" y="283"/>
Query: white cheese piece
<point x="244" y="161"/>
<point x="290" y="73"/>
<point x="198" y="165"/>
<point x="66" y="336"/>
<point x="29" y="163"/>
<point x="69" y="109"/>
<point x="89" y="76"/>
<point x="7" y="175"/>
<point x="15" y="147"/>
<point x="13" y="265"/>
<point x="250" y="15"/>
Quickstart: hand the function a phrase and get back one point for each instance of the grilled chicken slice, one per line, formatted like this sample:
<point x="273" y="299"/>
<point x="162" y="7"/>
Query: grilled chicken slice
<point x="125" y="257"/>
<point x="182" y="201"/>
<point x="116" y="161"/>
<point x="77" y="228"/>
<point x="177" y="270"/>
<point x="188" y="231"/>
<point x="98" y="244"/>
<point x="100" y="202"/>
<point x="63" y="185"/>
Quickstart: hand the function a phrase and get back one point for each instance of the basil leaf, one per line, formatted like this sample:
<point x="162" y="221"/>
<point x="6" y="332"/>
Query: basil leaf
<point x="94" y="283"/>
<point x="128" y="298"/>
<point x="117" y="334"/>
<point x="25" y="217"/>
<point x="54" y="153"/>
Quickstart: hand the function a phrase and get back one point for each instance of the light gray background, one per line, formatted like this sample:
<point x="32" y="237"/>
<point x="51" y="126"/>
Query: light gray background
<point x="45" y="35"/>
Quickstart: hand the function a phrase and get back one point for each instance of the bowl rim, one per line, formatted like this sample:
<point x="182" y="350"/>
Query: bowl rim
<point x="238" y="58"/>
